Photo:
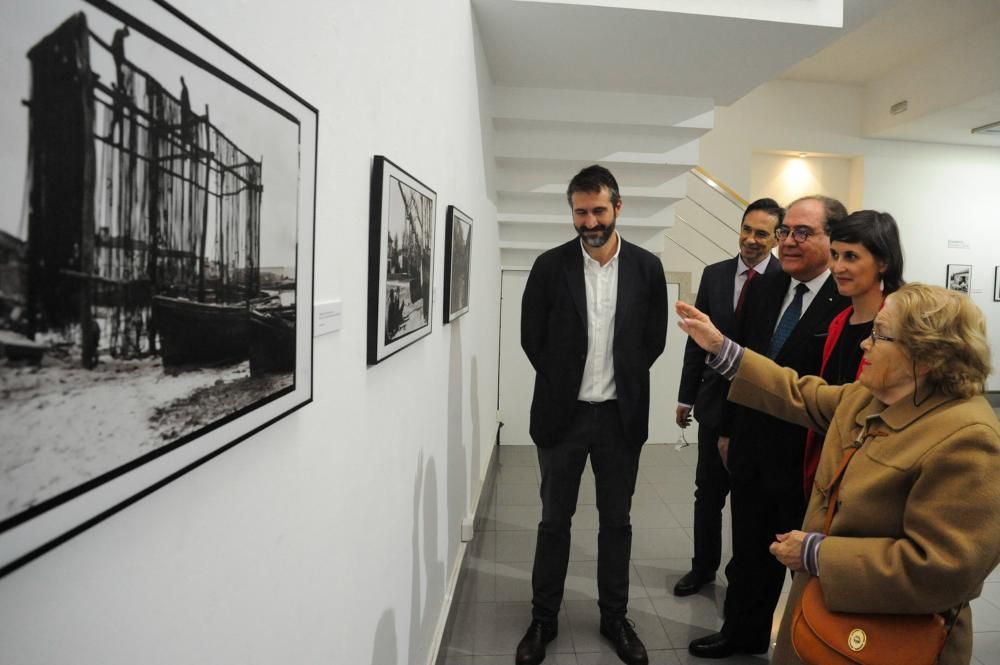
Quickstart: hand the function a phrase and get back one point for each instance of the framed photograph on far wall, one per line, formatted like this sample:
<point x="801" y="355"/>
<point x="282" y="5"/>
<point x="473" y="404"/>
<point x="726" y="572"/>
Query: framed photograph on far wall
<point x="959" y="277"/>
<point x="400" y="260"/>
<point x="996" y="284"/>
<point x="457" y="253"/>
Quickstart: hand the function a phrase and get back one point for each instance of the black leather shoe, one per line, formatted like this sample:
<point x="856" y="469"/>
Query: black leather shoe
<point x="718" y="645"/>
<point x="531" y="648"/>
<point x="692" y="583"/>
<point x="628" y="646"/>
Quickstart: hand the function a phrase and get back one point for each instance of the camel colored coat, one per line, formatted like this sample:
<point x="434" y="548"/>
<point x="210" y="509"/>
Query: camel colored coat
<point x="918" y="525"/>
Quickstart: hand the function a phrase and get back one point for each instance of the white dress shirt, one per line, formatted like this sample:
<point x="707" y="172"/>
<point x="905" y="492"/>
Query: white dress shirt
<point x="741" y="276"/>
<point x="598" y="384"/>
<point x="814" y="284"/>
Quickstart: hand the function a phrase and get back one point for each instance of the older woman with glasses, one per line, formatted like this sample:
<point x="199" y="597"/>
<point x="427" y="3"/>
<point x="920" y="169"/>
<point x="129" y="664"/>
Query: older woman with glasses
<point x="915" y="529"/>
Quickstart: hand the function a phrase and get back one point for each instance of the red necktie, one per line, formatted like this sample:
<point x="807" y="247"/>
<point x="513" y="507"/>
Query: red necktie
<point x="751" y="273"/>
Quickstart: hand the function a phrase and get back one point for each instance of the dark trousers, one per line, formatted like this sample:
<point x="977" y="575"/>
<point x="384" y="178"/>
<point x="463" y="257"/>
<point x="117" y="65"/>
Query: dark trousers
<point x="711" y="485"/>
<point x="597" y="431"/>
<point x="755" y="576"/>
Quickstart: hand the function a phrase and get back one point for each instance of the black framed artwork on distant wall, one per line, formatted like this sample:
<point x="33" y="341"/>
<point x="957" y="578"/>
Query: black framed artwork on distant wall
<point x="959" y="277"/>
<point x="457" y="257"/>
<point x="156" y="259"/>
<point x="400" y="260"/>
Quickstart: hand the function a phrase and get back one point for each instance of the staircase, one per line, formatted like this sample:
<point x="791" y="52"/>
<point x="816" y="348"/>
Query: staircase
<point x="543" y="137"/>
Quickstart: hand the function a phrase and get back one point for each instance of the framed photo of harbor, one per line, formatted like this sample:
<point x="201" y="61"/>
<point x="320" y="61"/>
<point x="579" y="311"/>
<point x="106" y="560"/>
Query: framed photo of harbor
<point x="156" y="259"/>
<point x="457" y="252"/>
<point x="959" y="277"/>
<point x="400" y="260"/>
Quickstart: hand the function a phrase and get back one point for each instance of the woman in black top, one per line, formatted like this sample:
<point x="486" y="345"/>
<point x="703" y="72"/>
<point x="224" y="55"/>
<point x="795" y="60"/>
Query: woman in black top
<point x="866" y="261"/>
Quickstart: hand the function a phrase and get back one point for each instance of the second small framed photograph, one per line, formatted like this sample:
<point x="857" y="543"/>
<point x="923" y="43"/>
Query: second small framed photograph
<point x="959" y="277"/>
<point x="400" y="259"/>
<point x="457" y="253"/>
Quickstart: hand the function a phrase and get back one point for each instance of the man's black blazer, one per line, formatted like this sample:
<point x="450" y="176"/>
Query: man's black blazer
<point x="554" y="336"/>
<point x="763" y="449"/>
<point x="702" y="387"/>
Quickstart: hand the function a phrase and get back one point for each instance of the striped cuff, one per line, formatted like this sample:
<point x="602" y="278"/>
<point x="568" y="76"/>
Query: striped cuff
<point x="810" y="551"/>
<point x="728" y="359"/>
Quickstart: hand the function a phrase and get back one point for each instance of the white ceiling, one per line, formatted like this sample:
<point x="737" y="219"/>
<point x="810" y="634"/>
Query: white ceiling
<point x="901" y="33"/>
<point x="572" y="46"/>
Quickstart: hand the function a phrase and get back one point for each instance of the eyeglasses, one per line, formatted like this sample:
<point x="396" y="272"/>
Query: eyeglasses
<point x="885" y="338"/>
<point x="800" y="233"/>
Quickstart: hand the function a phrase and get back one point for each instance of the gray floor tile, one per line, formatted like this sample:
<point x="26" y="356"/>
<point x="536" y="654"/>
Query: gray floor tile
<point x="986" y="647"/>
<point x="985" y="615"/>
<point x="517" y="474"/>
<point x="518" y="518"/>
<point x="653" y="517"/>
<point x="645" y="495"/>
<point x="991" y="592"/>
<point x="518" y="456"/>
<point x="513" y="582"/>
<point x="581" y="582"/>
<point x="477" y="584"/>
<point x="661" y="544"/>
<point x="583" y="545"/>
<point x="691" y="617"/>
<point x="517" y="494"/>
<point x="515" y="546"/>
<point x="684" y="658"/>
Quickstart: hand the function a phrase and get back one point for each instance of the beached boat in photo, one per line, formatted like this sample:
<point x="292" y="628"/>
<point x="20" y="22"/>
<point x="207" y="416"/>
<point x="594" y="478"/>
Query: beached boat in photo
<point x="272" y="339"/>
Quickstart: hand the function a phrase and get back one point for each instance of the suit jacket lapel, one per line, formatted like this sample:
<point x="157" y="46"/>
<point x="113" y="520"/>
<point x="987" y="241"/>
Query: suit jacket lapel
<point x="818" y="308"/>
<point x="626" y="279"/>
<point x="573" y="265"/>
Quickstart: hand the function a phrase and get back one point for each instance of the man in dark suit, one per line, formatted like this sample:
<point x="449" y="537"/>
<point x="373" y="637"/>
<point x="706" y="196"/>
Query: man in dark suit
<point x="720" y="296"/>
<point x="593" y="320"/>
<point x="791" y="312"/>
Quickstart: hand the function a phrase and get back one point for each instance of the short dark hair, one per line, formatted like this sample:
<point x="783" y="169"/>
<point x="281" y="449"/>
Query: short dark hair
<point x="592" y="180"/>
<point x="770" y="206"/>
<point x="878" y="232"/>
<point x="833" y="210"/>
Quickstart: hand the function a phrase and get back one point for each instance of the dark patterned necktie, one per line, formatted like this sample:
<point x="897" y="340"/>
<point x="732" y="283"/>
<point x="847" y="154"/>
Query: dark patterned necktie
<point x="787" y="323"/>
<point x="751" y="273"/>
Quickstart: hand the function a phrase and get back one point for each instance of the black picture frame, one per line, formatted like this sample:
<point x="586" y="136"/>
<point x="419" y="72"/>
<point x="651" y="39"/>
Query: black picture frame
<point x="959" y="277"/>
<point x="134" y="403"/>
<point x="457" y="263"/>
<point x="996" y="284"/>
<point x="402" y="212"/>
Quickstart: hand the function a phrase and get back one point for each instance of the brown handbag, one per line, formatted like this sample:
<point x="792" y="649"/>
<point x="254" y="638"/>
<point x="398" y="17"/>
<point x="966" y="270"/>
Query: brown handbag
<point x="822" y="637"/>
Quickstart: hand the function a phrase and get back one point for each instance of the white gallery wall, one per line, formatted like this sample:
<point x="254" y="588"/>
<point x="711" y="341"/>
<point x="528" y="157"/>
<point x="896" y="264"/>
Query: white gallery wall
<point x="331" y="536"/>
<point x="942" y="196"/>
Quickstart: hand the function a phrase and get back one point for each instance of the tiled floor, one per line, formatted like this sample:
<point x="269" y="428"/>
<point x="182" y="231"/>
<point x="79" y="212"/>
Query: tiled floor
<point x="493" y="598"/>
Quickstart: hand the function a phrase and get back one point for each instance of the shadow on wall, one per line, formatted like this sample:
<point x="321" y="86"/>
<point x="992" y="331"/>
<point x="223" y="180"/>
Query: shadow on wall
<point x="456" y="489"/>
<point x="427" y="580"/>
<point x="384" y="650"/>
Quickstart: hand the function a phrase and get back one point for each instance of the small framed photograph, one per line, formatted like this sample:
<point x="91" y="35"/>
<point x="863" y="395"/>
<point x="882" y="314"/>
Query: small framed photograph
<point x="996" y="284"/>
<point x="457" y="251"/>
<point x="400" y="260"/>
<point x="959" y="277"/>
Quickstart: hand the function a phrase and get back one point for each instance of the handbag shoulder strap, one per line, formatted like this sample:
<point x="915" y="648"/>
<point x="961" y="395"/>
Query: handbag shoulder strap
<point x="834" y="487"/>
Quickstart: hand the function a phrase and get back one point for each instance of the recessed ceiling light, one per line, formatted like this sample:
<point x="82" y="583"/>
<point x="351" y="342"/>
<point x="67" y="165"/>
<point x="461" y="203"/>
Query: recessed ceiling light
<point x="803" y="155"/>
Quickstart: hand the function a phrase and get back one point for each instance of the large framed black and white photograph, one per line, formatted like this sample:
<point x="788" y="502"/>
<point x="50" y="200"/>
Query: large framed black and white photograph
<point x="457" y="252"/>
<point x="400" y="260"/>
<point x="156" y="258"/>
<point x="959" y="277"/>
